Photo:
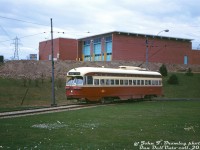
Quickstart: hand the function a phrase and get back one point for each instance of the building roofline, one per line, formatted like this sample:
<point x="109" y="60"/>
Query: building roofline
<point x="137" y="34"/>
<point x="58" y="38"/>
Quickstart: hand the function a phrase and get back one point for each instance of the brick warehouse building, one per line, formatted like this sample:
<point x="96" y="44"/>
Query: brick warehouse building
<point x="122" y="46"/>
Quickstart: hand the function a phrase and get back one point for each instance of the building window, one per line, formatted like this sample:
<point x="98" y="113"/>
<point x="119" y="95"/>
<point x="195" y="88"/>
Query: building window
<point x="97" y="49"/>
<point x="108" y="48"/>
<point x="185" y="60"/>
<point x="86" y="50"/>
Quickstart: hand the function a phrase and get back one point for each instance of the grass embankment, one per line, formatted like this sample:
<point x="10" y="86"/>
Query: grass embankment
<point x="122" y="126"/>
<point x="188" y="87"/>
<point x="13" y="91"/>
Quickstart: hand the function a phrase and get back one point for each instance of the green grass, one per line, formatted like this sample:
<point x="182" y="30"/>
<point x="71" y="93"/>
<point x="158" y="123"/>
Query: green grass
<point x="188" y="87"/>
<point x="105" y="127"/>
<point x="12" y="91"/>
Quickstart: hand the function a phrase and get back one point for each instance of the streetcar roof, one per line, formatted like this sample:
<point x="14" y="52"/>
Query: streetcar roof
<point x="81" y="71"/>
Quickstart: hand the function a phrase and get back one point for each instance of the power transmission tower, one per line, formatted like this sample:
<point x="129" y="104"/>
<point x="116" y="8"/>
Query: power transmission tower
<point x="16" y="44"/>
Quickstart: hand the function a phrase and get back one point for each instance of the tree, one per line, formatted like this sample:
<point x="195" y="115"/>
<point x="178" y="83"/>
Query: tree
<point x="173" y="79"/>
<point x="163" y="70"/>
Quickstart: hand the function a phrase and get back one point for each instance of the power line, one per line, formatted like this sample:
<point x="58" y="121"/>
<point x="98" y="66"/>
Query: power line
<point x="24" y="37"/>
<point x="23" y="21"/>
<point x="31" y="35"/>
<point x="6" y="32"/>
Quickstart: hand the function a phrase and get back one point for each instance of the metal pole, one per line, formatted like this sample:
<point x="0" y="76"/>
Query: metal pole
<point x="147" y="49"/>
<point x="77" y="49"/>
<point x="53" y="104"/>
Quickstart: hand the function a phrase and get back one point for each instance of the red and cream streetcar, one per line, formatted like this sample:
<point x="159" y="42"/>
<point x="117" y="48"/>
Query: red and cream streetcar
<point x="123" y="83"/>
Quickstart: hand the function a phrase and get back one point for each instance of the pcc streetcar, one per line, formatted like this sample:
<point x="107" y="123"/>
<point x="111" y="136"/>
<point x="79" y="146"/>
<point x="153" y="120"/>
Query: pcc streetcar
<point x="123" y="83"/>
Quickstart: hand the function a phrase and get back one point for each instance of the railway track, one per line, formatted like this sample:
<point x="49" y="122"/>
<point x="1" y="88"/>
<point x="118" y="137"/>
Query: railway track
<point x="30" y="112"/>
<point x="44" y="110"/>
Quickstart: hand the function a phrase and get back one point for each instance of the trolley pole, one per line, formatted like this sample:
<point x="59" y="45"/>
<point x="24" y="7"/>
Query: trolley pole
<point x="53" y="104"/>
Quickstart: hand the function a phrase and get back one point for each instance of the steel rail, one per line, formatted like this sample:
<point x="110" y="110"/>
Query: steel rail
<point x="44" y="110"/>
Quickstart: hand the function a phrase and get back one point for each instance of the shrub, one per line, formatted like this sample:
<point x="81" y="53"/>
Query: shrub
<point x="189" y="72"/>
<point x="163" y="70"/>
<point x="173" y="79"/>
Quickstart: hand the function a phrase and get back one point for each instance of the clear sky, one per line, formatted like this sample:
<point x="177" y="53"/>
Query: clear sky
<point x="29" y="19"/>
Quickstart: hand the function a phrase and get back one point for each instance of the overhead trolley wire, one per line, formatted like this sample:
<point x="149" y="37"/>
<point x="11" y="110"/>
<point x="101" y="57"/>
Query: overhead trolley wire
<point x="9" y="37"/>
<point x="2" y="17"/>
<point x="23" y="21"/>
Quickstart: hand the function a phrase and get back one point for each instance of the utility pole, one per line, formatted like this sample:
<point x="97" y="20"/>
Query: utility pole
<point x="147" y="47"/>
<point x="53" y="104"/>
<point x="147" y="51"/>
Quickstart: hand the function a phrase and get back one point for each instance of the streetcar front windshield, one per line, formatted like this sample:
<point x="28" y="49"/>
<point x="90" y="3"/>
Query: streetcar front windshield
<point x="74" y="80"/>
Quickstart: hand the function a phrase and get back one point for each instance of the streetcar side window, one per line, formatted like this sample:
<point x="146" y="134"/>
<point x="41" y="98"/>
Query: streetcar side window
<point x="112" y="82"/>
<point x="134" y="82"/>
<point x="116" y="82"/>
<point x="149" y="82"/>
<point x="126" y="82"/>
<point x="102" y="81"/>
<point x="96" y="81"/>
<point x="121" y="82"/>
<point x="146" y="82"/>
<point x="142" y="82"/>
<point x="130" y="82"/>
<point x="138" y="82"/>
<point x="89" y="80"/>
<point x="107" y="82"/>
<point x="156" y="82"/>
